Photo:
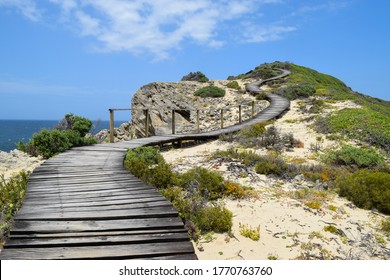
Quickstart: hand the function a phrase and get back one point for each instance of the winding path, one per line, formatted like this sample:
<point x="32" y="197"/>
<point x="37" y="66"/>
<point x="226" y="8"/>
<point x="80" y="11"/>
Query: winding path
<point x="83" y="204"/>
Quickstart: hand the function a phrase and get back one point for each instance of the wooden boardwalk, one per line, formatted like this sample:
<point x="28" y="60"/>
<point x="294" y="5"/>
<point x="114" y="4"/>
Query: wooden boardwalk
<point x="83" y="204"/>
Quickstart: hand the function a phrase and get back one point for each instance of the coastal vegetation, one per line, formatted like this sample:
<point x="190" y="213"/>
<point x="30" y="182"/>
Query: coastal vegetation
<point x="196" y="76"/>
<point x="194" y="193"/>
<point x="210" y="91"/>
<point x="12" y="192"/>
<point x="69" y="132"/>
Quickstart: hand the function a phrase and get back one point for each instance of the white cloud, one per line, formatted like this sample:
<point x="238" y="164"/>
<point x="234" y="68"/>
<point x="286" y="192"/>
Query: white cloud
<point x="155" y="26"/>
<point x="259" y="34"/>
<point x="27" y="7"/>
<point x="160" y="26"/>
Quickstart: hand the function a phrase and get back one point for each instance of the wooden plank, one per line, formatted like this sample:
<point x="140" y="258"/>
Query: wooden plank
<point x="108" y="202"/>
<point x="97" y="233"/>
<point x="136" y="205"/>
<point x="87" y="193"/>
<point x="100" y="252"/>
<point x="98" y="240"/>
<point x="24" y="227"/>
<point x="96" y="199"/>
<point x="136" y="213"/>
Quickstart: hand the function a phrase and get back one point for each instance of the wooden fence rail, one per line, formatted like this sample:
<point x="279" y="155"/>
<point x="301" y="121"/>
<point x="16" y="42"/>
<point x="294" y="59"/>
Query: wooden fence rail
<point x="173" y="116"/>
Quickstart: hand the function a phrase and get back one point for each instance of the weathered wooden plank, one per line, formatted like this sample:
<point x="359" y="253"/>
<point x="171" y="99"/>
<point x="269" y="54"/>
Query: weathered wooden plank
<point x="98" y="240"/>
<point x="23" y="227"/>
<point x="136" y="205"/>
<point x="136" y="213"/>
<point x="86" y="193"/>
<point x="101" y="252"/>
<point x="97" y="233"/>
<point x="97" y="199"/>
<point x="93" y="203"/>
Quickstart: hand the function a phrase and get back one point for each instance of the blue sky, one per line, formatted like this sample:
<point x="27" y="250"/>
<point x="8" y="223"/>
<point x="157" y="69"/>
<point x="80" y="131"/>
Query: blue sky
<point x="85" y="56"/>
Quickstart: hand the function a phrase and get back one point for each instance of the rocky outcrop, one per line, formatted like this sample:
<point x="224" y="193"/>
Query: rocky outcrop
<point x="16" y="161"/>
<point x="161" y="98"/>
<point x="122" y="133"/>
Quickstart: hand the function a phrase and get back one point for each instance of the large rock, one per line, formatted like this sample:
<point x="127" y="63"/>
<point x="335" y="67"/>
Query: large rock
<point x="161" y="98"/>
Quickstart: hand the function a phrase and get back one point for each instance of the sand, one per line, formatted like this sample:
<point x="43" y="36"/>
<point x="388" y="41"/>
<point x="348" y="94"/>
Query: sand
<point x="288" y="228"/>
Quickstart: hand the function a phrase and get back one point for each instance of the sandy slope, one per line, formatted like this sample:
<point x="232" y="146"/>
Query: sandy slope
<point x="288" y="228"/>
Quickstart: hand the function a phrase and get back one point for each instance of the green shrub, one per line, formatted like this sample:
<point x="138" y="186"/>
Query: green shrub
<point x="138" y="168"/>
<point x="12" y="192"/>
<point x="70" y="132"/>
<point x="210" y="91"/>
<point x="367" y="189"/>
<point x="196" y="76"/>
<point x="385" y="226"/>
<point x="272" y="165"/>
<point x="209" y="183"/>
<point x="149" y="155"/>
<point x="362" y="124"/>
<point x="233" y="85"/>
<point x="261" y="96"/>
<point x="249" y="232"/>
<point x="354" y="156"/>
<point x="48" y="143"/>
<point x="301" y="90"/>
<point x="255" y="130"/>
<point x="214" y="218"/>
<point x="161" y="176"/>
<point x="77" y="123"/>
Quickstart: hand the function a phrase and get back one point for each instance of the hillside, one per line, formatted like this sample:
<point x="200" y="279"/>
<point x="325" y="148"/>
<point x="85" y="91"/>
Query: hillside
<point x="319" y="176"/>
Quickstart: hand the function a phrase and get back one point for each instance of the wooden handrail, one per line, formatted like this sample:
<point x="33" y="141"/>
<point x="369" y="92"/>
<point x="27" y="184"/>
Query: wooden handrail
<point x="173" y="112"/>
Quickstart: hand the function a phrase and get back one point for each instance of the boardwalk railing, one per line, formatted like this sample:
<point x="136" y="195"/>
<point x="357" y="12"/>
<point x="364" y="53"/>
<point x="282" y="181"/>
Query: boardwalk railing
<point x="251" y="105"/>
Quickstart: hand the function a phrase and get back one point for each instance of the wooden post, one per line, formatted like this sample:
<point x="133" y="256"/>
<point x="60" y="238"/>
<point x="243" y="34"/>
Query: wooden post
<point x="146" y="112"/>
<point x="111" y="125"/>
<point x="239" y="114"/>
<point x="221" y="118"/>
<point x="197" y="122"/>
<point x="253" y="109"/>
<point x="173" y="122"/>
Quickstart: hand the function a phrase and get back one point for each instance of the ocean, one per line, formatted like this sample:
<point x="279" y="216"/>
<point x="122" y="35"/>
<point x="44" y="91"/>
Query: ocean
<point x="13" y="131"/>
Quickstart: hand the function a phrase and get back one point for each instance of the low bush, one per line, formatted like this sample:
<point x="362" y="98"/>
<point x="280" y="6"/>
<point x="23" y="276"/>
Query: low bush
<point x="77" y="123"/>
<point x="233" y="85"/>
<point x="189" y="192"/>
<point x="268" y="165"/>
<point x="149" y="155"/>
<point x="385" y="226"/>
<point x="237" y="191"/>
<point x="301" y="90"/>
<point x="249" y="232"/>
<point x="70" y="132"/>
<point x="354" y="157"/>
<point x="209" y="183"/>
<point x="261" y="96"/>
<point x="210" y="91"/>
<point x="196" y="76"/>
<point x="214" y="218"/>
<point x="255" y="130"/>
<point x="363" y="124"/>
<point x="12" y="192"/>
<point x="367" y="189"/>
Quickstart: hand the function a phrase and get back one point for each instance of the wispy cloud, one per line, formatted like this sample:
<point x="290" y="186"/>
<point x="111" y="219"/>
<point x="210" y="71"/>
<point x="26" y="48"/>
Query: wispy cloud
<point x="163" y="26"/>
<point x="27" y="8"/>
<point x="329" y="6"/>
<point x="262" y="33"/>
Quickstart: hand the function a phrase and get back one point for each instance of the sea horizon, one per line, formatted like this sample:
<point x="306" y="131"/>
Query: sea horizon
<point x="14" y="130"/>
